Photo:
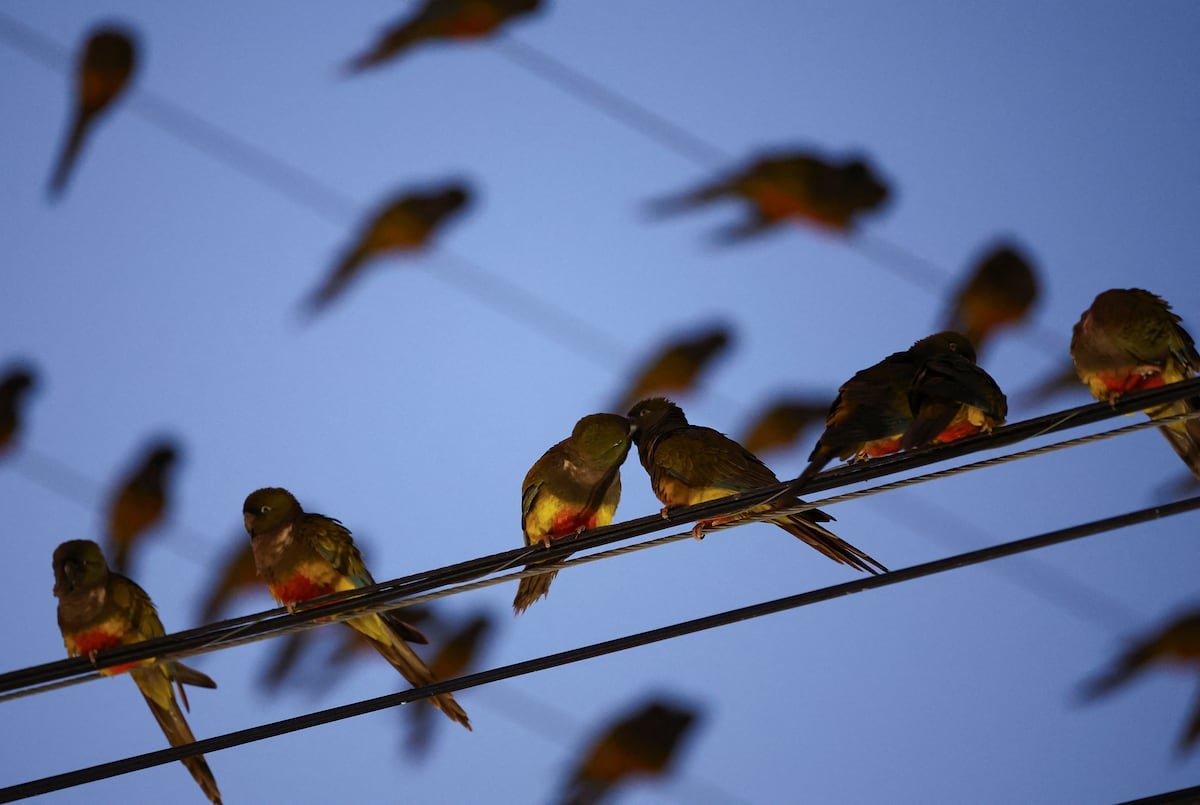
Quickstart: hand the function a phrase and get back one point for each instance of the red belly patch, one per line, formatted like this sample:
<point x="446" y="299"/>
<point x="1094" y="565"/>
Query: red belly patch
<point x="881" y="447"/>
<point x="1122" y="383"/>
<point x="98" y="640"/>
<point x="299" y="588"/>
<point x="958" y="431"/>
<point x="568" y="522"/>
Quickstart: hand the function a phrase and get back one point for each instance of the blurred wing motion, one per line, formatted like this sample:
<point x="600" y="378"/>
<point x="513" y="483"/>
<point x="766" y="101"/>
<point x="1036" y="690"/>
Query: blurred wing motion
<point x="458" y="655"/>
<point x="796" y="186"/>
<point x="779" y="425"/>
<point x="688" y="464"/>
<point x="644" y="742"/>
<point x="441" y="20"/>
<point x="998" y="293"/>
<point x="140" y="502"/>
<point x="676" y="366"/>
<point x="105" y="66"/>
<point x="99" y="609"/>
<point x="1128" y="340"/>
<point x="16" y="383"/>
<point x="407" y="224"/>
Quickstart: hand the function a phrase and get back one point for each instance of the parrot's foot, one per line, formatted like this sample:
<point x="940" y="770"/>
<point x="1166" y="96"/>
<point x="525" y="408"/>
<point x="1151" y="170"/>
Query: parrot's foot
<point x="290" y="606"/>
<point x="546" y="543"/>
<point x="91" y="655"/>
<point x="700" y="527"/>
<point x="664" y="512"/>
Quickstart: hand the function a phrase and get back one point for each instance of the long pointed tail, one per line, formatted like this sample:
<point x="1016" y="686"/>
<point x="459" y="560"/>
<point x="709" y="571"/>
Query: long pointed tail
<point x="70" y="153"/>
<point x="829" y="543"/>
<point x="170" y="719"/>
<point x="532" y="588"/>
<point x="406" y="661"/>
<point x="1192" y="732"/>
<point x="1184" y="436"/>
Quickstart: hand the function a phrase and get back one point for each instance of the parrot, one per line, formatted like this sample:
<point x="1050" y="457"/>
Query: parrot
<point x="441" y="19"/>
<point x="15" y="384"/>
<point x="1129" y="339"/>
<point x="871" y="412"/>
<point x="1178" y="643"/>
<point x="238" y="574"/>
<point x="781" y="422"/>
<point x="688" y="464"/>
<point x="999" y="292"/>
<point x="575" y="485"/>
<point x="952" y="398"/>
<point x="792" y="185"/>
<point x="645" y="742"/>
<point x="407" y="223"/>
<point x="140" y="502"/>
<point x="676" y="366"/>
<point x="302" y="555"/>
<point x="456" y="656"/>
<point x="108" y="60"/>
<point x="100" y="609"/>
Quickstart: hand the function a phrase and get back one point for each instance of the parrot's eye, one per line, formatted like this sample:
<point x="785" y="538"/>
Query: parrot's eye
<point x="264" y="509"/>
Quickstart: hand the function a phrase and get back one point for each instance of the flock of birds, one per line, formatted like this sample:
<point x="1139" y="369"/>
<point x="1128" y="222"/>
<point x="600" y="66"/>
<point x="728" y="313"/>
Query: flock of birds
<point x="930" y="393"/>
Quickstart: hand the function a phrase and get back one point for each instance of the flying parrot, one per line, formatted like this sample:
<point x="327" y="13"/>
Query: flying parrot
<point x="871" y="412"/>
<point x="105" y="66"/>
<point x="456" y="656"/>
<point x="140" y="502"/>
<point x="441" y="19"/>
<point x="781" y="422"/>
<point x="99" y="609"/>
<point x="236" y="575"/>
<point x="406" y="224"/>
<point x="999" y="292"/>
<point x="301" y="555"/>
<point x="13" y="387"/>
<point x="676" y="366"/>
<point x="796" y="186"/>
<point x="1128" y="340"/>
<point x="574" y="486"/>
<point x="952" y="398"/>
<point x="688" y="464"/>
<point x="1178" y="644"/>
<point x="643" y="742"/>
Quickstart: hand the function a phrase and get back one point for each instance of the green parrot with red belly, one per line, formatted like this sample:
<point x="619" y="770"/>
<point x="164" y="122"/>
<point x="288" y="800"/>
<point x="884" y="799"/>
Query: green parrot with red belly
<point x="99" y="609"/>
<point x="302" y="555"/>
<point x="952" y="398"/>
<point x="1129" y="339"/>
<point x="574" y="486"/>
<point x="998" y="293"/>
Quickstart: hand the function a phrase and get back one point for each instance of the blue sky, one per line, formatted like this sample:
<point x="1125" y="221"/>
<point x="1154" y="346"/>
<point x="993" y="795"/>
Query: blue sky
<point x="160" y="295"/>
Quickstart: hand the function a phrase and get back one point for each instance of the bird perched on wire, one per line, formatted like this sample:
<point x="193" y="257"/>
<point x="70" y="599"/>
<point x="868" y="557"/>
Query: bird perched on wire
<point x="574" y="486"/>
<point x="140" y="502"/>
<point x="689" y="464"/>
<point x="643" y="742"/>
<point x="1178" y="643"/>
<point x="406" y="224"/>
<point x="781" y="421"/>
<point x="103" y="71"/>
<point x="999" y="293"/>
<point x="951" y="398"/>
<point x="676" y="365"/>
<point x="1129" y="339"/>
<point x="871" y="413"/>
<point x="99" y="609"/>
<point x="14" y="386"/>
<point x="796" y="186"/>
<point x="441" y="20"/>
<point x="301" y="555"/>
<point x="457" y="655"/>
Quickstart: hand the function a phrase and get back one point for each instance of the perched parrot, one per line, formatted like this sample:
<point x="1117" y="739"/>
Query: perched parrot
<point x="688" y="464"/>
<point x="441" y="19"/>
<point x="406" y="224"/>
<point x="793" y="186"/>
<point x="999" y="292"/>
<point x="643" y="742"/>
<point x="301" y="555"/>
<point x="456" y="656"/>
<point x="140" y="502"/>
<point x="780" y="423"/>
<point x="237" y="575"/>
<point x="1179" y="644"/>
<point x="98" y="610"/>
<point x="108" y="60"/>
<point x="13" y="388"/>
<point x="871" y="412"/>
<point x="574" y="486"/>
<point x="952" y="398"/>
<point x="676" y="366"/>
<point x="1128" y="340"/>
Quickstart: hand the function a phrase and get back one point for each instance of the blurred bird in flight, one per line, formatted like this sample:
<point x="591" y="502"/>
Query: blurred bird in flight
<point x="16" y="383"/>
<point x="676" y="366"/>
<point x="998" y="293"/>
<point x="140" y="502"/>
<point x="458" y="654"/>
<point x="779" y="423"/>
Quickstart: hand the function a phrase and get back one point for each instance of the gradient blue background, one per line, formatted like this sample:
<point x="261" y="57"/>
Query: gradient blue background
<point x="160" y="296"/>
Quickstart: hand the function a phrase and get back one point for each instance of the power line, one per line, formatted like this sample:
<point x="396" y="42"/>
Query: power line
<point x="1183" y="795"/>
<point x="592" y="651"/>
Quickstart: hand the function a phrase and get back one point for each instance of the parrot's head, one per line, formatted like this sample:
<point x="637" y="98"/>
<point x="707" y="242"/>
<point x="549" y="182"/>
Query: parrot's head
<point x="862" y="185"/>
<point x="715" y="341"/>
<point x="941" y="343"/>
<point x="603" y="438"/>
<point x="17" y="381"/>
<point x="78" y="565"/>
<point x="667" y="720"/>
<point x="655" y="412"/>
<point x="451" y="199"/>
<point x="162" y="455"/>
<point x="110" y="50"/>
<point x="269" y="509"/>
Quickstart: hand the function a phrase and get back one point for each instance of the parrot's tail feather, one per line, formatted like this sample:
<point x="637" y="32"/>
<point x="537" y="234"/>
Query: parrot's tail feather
<point x="829" y="543"/>
<point x="414" y="669"/>
<point x="933" y="418"/>
<point x="70" y="153"/>
<point x="175" y="727"/>
<point x="584" y="791"/>
<point x="1192" y="732"/>
<point x="1127" y="668"/>
<point x="1184" y="436"/>
<point x="821" y="455"/>
<point x="190" y="676"/>
<point x="532" y="588"/>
